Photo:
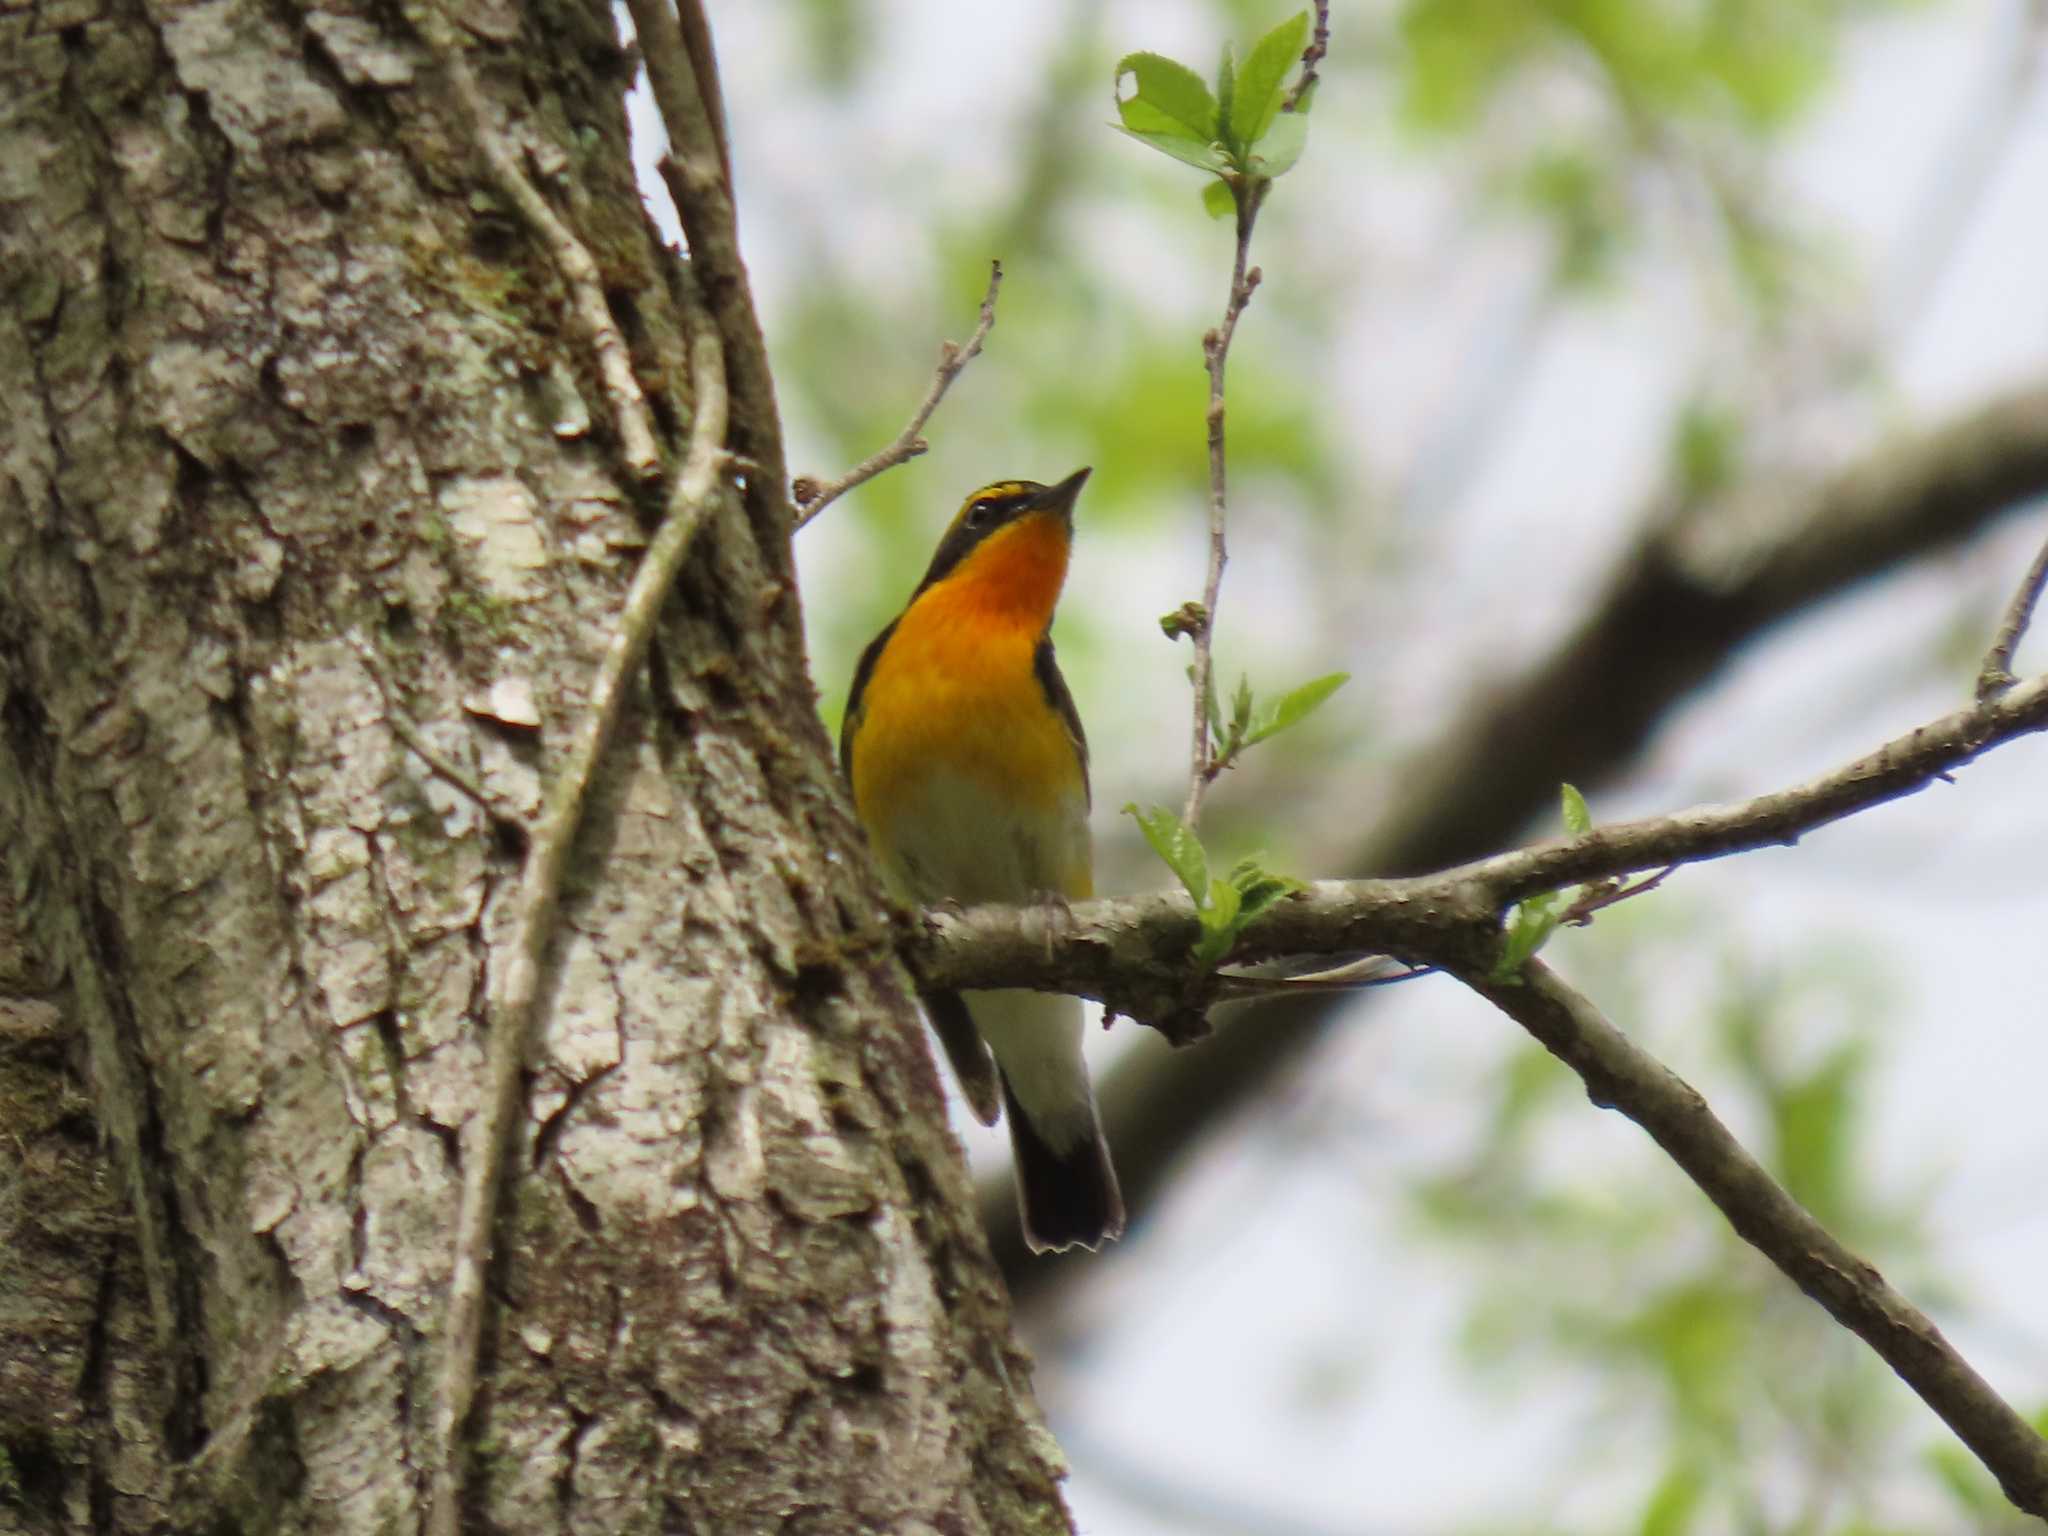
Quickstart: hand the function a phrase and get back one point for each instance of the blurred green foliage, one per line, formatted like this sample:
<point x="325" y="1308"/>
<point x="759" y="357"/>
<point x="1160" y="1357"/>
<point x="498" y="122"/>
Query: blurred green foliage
<point x="1756" y="62"/>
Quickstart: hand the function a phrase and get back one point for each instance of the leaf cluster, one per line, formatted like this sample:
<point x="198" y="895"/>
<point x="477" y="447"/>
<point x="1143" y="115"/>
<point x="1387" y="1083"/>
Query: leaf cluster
<point x="1531" y="922"/>
<point x="1228" y="904"/>
<point x="1225" y="905"/>
<point x="1243" y="130"/>
<point x="1252" y="721"/>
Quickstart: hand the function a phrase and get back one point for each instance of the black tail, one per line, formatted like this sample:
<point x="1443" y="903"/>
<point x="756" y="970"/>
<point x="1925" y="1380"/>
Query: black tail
<point x="1067" y="1197"/>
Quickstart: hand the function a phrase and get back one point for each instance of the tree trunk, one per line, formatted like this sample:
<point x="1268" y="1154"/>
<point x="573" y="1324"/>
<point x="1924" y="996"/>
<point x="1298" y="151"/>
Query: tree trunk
<point x="307" y="464"/>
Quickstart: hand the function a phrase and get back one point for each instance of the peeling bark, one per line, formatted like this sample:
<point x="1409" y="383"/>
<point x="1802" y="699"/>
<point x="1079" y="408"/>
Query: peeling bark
<point x="300" y="433"/>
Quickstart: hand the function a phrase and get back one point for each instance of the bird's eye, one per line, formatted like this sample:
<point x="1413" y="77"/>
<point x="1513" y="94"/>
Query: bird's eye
<point x="979" y="514"/>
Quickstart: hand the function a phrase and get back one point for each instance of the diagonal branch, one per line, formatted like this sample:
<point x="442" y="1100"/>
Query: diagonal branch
<point x="1620" y="1075"/>
<point x="813" y="498"/>
<point x="1131" y="953"/>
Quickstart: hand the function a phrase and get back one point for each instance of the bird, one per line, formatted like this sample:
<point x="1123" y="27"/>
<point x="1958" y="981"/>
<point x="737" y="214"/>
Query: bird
<point x="969" y="772"/>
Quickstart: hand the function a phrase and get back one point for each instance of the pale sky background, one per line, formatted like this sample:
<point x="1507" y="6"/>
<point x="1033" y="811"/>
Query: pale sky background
<point x="1274" y="1351"/>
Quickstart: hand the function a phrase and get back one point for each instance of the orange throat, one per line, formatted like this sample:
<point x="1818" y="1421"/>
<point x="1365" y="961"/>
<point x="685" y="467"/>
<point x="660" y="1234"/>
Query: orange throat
<point x="1010" y="583"/>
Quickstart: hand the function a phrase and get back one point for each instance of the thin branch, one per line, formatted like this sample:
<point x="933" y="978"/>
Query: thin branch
<point x="1602" y="894"/>
<point x="1130" y="953"/>
<point x="1198" y="621"/>
<point x="632" y="423"/>
<point x="1619" y="1075"/>
<point x="1995" y="676"/>
<point x="1901" y="766"/>
<point x="1202" y="766"/>
<point x="813" y="498"/>
<point x="1311" y="57"/>
<point x="683" y="81"/>
<point x="515" y="992"/>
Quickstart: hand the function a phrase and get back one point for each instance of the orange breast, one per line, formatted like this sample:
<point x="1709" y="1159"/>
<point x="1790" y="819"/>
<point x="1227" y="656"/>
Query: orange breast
<point x="955" y="694"/>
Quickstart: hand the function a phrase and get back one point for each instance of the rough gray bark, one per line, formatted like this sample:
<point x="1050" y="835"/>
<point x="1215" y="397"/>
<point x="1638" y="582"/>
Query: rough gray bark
<point x="302" y="432"/>
<point x="81" y="1393"/>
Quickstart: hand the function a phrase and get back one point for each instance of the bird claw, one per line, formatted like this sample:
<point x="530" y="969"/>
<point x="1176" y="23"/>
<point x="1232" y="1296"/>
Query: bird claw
<point x="1057" y="915"/>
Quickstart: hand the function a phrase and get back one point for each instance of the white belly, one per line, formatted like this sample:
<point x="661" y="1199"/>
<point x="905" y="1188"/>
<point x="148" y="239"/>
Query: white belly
<point x="955" y="839"/>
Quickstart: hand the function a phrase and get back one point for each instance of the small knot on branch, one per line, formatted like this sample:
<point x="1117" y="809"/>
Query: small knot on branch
<point x="1184" y="1026"/>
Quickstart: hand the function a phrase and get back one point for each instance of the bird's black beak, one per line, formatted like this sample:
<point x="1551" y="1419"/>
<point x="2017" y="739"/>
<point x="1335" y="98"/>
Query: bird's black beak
<point x="1061" y="498"/>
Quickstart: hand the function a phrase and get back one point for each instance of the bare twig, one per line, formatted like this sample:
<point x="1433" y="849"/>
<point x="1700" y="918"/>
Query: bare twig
<point x="1619" y="1075"/>
<point x="515" y="991"/>
<point x="675" y="40"/>
<point x="1202" y="766"/>
<point x="813" y="498"/>
<point x="632" y="423"/>
<point x="1995" y="676"/>
<point x="1602" y="894"/>
<point x="1311" y="57"/>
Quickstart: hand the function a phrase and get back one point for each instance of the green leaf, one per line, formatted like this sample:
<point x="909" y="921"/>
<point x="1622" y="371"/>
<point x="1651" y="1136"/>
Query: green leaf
<point x="1206" y="157"/>
<point x="1674" y="1507"/>
<point x="1706" y="447"/>
<point x="1814" y="1126"/>
<point x="1262" y="83"/>
<point x="1219" y="912"/>
<point x="1240" y="708"/>
<point x="1577" y="819"/>
<point x="1220" y="924"/>
<point x="1212" y="709"/>
<point x="1175" y="843"/>
<point x="1282" y="145"/>
<point x="1168" y="99"/>
<point x="1226" y="89"/>
<point x="1291" y="708"/>
<point x="1530" y="924"/>
<point x="1219" y="199"/>
<point x="1258" y="889"/>
<point x="1963" y="1476"/>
